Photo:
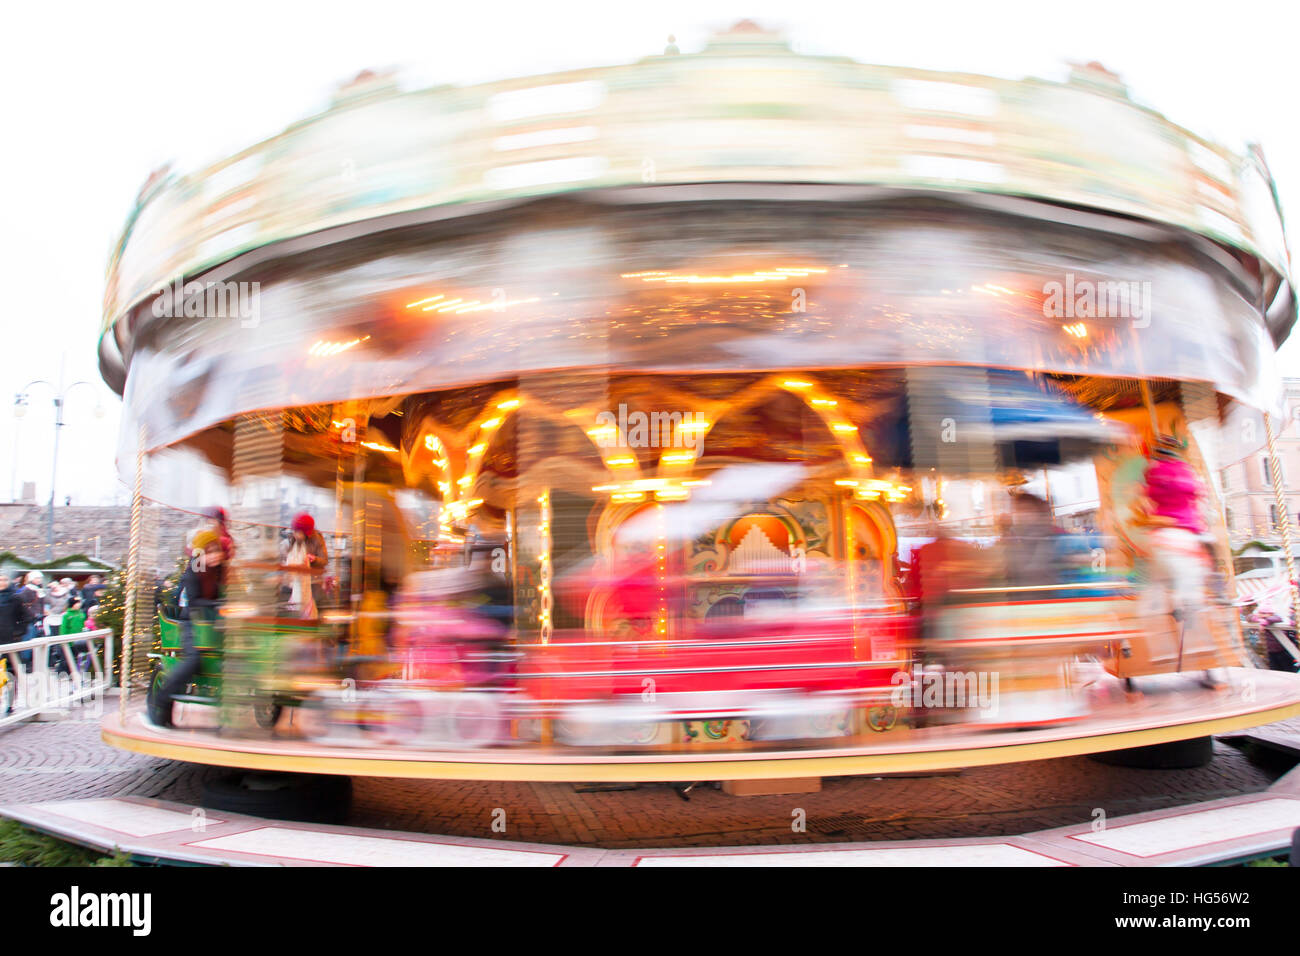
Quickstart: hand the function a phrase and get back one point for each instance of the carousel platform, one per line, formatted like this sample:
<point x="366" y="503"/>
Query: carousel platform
<point x="1169" y="708"/>
<point x="1218" y="832"/>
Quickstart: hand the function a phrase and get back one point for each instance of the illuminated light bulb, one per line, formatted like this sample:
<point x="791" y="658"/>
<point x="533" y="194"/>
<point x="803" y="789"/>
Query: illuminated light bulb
<point x="678" y="457"/>
<point x="464" y="481"/>
<point x="479" y="448"/>
<point x="490" y="424"/>
<point x="844" y="427"/>
<point x="603" y="431"/>
<point x="508" y="404"/>
<point x="672" y="494"/>
<point x="431" y="442"/>
<point x="826" y="402"/>
<point x="620" y="461"/>
<point x="862" y="459"/>
<point x="323" y="349"/>
<point x="796" y="384"/>
<point x="846" y="482"/>
<point x="693" y="427"/>
<point x="412" y="305"/>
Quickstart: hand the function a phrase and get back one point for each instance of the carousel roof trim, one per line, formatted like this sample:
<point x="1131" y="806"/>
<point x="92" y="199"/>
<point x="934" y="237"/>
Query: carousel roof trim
<point x="460" y="150"/>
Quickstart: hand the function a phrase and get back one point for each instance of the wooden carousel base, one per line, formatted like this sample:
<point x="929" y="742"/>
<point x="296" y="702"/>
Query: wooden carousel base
<point x="1169" y="708"/>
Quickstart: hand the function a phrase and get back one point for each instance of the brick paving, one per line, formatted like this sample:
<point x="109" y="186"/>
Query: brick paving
<point x="66" y="759"/>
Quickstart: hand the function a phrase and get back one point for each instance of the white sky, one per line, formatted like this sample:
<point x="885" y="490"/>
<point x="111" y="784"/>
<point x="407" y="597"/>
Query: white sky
<point x="97" y="95"/>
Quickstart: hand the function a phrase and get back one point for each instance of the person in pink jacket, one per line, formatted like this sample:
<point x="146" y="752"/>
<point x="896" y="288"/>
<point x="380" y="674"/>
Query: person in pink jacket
<point x="1174" y="490"/>
<point x="1178" y="553"/>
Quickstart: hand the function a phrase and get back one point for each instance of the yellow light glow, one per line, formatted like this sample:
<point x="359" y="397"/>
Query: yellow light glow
<point x="796" y="384"/>
<point x="500" y="306"/>
<point x="602" y="431"/>
<point x="441" y="306"/>
<point x="862" y="459"/>
<point x="508" y="404"/>
<point x="620" y="461"/>
<point x="678" y="457"/>
<point x="780" y="273"/>
<point x="479" y="448"/>
<point x="412" y="305"/>
<point x="825" y="402"/>
<point x="844" y="427"/>
<point x="465" y="480"/>
<point x="379" y="446"/>
<point x="325" y="349"/>
<point x="490" y="424"/>
<point x="431" y="442"/>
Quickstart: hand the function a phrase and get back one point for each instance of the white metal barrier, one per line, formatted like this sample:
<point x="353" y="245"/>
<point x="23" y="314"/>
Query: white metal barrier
<point x="45" y="688"/>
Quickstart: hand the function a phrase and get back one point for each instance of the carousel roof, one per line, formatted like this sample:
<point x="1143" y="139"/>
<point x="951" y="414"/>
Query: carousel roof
<point x="745" y="118"/>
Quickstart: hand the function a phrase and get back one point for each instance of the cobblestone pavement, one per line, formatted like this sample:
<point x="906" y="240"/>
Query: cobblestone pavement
<point x="66" y="759"/>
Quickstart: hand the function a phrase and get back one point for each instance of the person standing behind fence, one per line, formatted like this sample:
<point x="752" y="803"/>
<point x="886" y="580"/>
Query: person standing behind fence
<point x="57" y="596"/>
<point x="33" y="598"/>
<point x="74" y="622"/>
<point x="91" y="590"/>
<point x="74" y="618"/>
<point x="13" y="615"/>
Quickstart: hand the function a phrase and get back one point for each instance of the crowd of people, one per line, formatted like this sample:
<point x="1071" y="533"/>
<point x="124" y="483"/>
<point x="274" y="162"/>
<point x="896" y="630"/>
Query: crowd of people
<point x="31" y="608"/>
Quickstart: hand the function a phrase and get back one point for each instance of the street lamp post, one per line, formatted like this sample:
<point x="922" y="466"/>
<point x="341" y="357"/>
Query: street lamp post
<point x="20" y="407"/>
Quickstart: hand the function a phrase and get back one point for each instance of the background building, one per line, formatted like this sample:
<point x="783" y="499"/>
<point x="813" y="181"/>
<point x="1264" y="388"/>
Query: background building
<point x="1246" y="482"/>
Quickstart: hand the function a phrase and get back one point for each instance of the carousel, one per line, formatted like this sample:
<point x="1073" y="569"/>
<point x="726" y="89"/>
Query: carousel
<point x="642" y="443"/>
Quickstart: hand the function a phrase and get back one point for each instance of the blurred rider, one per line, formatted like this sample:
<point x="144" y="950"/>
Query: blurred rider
<point x="307" y="551"/>
<point x="204" y="585"/>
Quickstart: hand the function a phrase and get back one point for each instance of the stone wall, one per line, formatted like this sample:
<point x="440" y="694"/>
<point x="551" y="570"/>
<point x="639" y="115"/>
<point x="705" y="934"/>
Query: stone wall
<point x="165" y="532"/>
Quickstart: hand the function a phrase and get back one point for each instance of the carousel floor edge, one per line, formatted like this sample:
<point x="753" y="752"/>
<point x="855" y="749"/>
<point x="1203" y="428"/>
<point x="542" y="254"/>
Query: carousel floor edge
<point x="1278" y="698"/>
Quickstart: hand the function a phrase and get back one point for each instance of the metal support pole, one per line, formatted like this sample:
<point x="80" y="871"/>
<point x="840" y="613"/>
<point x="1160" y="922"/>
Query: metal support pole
<point x="54" y="474"/>
<point x="132" y="575"/>
<point x="1284" y="516"/>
